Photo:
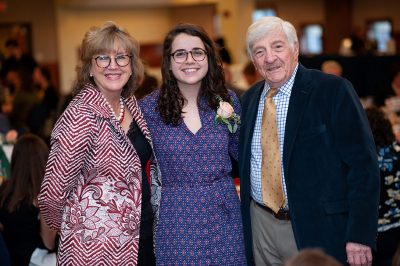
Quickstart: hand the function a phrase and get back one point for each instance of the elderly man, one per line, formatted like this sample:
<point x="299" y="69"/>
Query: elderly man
<point x="308" y="166"/>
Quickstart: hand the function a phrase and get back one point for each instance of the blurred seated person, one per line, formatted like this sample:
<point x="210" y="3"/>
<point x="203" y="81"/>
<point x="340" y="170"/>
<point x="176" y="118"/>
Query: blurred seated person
<point x="5" y="124"/>
<point x="357" y="37"/>
<point x="47" y="93"/>
<point x="391" y="45"/>
<point x="148" y="84"/>
<point x="250" y="74"/>
<point x="42" y="117"/>
<point x="16" y="59"/>
<point x="332" y="67"/>
<point x="387" y="93"/>
<point x="5" y="109"/>
<point x="6" y="99"/>
<point x="224" y="53"/>
<point x="392" y="103"/>
<point x="13" y="81"/>
<point x="229" y="82"/>
<point x="7" y="133"/>
<point x="388" y="151"/>
<point x="25" y="233"/>
<point x="312" y="257"/>
<point x="24" y="98"/>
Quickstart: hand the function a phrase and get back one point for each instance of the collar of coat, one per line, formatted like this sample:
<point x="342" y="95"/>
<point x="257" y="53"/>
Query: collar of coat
<point x="93" y="98"/>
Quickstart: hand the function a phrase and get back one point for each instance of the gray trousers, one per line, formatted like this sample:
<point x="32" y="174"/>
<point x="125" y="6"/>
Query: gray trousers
<point x="273" y="239"/>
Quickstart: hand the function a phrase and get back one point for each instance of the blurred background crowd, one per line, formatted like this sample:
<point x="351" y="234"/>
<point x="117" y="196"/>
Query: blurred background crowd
<point x="38" y="53"/>
<point x="356" y="39"/>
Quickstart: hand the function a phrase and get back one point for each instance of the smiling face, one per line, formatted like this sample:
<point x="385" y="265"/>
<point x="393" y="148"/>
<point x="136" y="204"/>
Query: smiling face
<point x="113" y="78"/>
<point x="189" y="73"/>
<point x="274" y="59"/>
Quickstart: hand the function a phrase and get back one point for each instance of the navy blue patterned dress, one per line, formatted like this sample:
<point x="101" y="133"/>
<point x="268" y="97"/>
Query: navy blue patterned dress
<point x="200" y="221"/>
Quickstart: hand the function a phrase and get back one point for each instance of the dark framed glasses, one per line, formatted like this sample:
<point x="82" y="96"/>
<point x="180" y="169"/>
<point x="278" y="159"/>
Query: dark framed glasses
<point x="181" y="55"/>
<point x="104" y="61"/>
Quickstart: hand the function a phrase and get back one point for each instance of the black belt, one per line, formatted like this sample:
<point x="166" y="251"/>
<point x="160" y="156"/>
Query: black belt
<point x="281" y="215"/>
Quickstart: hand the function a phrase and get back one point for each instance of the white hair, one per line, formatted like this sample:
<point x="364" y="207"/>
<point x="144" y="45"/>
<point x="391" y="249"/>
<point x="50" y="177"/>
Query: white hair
<point x="264" y="26"/>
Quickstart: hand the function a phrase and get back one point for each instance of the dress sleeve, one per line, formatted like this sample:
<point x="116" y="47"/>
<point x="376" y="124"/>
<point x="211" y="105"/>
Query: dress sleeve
<point x="70" y="143"/>
<point x="234" y="138"/>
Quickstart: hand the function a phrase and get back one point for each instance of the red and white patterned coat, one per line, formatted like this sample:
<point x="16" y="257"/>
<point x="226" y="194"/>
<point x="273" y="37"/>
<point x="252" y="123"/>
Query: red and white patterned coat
<point x="91" y="192"/>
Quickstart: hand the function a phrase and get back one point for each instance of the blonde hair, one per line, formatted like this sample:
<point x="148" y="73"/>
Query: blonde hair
<point x="103" y="39"/>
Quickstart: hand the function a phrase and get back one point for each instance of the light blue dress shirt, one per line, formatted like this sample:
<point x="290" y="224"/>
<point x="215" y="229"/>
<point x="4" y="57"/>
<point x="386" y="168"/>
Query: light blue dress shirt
<point x="281" y="100"/>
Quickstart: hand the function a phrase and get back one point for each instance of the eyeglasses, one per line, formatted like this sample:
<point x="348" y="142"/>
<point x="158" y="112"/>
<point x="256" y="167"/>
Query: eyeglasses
<point x="104" y="61"/>
<point x="181" y="55"/>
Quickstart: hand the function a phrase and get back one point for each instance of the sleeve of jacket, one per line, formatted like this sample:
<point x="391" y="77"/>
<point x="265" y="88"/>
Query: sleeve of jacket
<point x="354" y="141"/>
<point x="70" y="142"/>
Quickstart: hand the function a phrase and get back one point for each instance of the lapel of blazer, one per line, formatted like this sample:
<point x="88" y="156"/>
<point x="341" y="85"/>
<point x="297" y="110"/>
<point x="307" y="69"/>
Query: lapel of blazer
<point x="298" y="101"/>
<point x="249" y="114"/>
<point x="252" y="109"/>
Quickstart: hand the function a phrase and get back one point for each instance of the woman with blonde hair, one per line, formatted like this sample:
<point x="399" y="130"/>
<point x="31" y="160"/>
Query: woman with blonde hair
<point x="96" y="190"/>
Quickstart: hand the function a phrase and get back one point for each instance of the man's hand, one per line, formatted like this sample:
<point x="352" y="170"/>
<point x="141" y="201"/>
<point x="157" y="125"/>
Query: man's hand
<point x="358" y="254"/>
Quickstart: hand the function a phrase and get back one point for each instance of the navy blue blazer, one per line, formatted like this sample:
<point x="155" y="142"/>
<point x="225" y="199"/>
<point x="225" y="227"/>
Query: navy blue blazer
<point x="330" y="164"/>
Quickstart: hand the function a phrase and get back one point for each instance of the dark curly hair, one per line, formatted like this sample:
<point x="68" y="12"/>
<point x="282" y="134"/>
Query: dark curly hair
<point x="171" y="101"/>
<point x="381" y="127"/>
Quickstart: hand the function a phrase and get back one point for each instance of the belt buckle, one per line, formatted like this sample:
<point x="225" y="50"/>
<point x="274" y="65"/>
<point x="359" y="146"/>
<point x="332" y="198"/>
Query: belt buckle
<point x="282" y="215"/>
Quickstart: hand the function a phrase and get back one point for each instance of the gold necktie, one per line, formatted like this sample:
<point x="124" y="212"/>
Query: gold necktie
<point x="271" y="173"/>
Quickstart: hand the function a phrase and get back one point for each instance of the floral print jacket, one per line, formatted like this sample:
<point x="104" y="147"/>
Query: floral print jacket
<point x="91" y="191"/>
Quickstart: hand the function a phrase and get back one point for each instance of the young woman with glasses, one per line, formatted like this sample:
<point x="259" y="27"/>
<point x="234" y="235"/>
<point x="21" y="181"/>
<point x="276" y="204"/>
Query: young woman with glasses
<point x="200" y="222"/>
<point x="96" y="190"/>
